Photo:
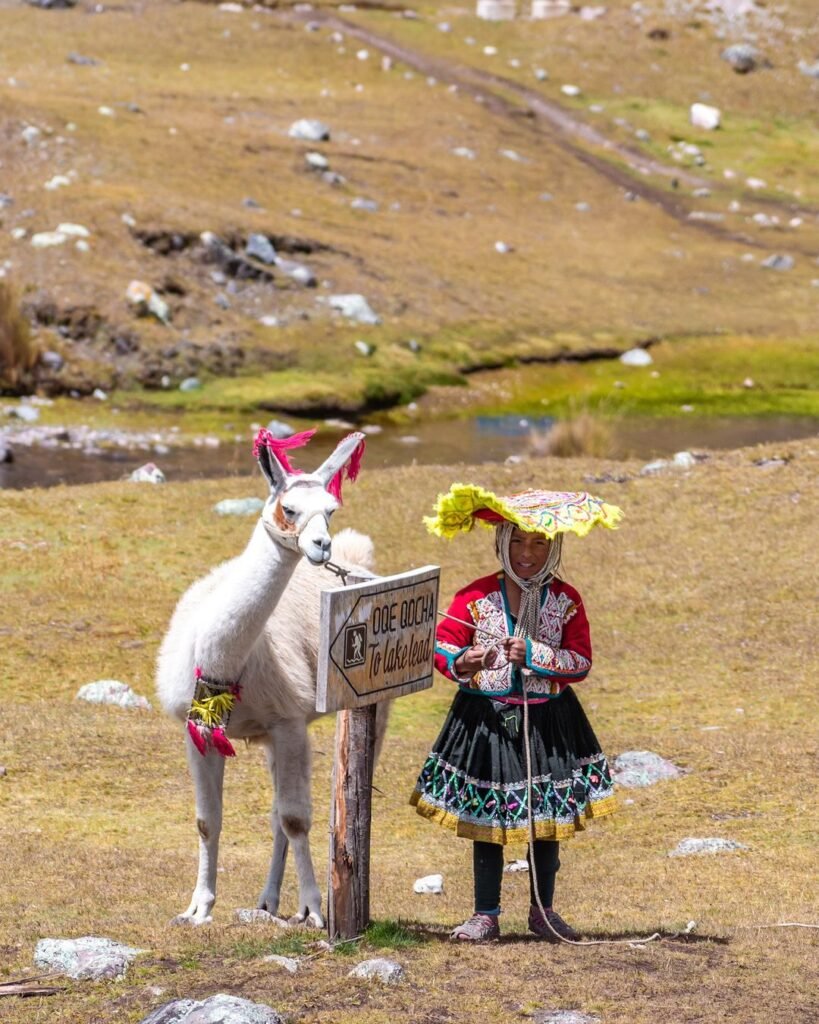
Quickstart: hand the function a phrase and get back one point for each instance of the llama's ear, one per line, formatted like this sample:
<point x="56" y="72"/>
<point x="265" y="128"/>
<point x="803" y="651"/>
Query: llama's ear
<point x="349" y="449"/>
<point x="273" y="470"/>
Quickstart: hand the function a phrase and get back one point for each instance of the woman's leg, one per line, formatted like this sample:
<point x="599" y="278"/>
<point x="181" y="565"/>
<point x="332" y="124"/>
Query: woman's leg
<point x="487" y="862"/>
<point x="544" y="854"/>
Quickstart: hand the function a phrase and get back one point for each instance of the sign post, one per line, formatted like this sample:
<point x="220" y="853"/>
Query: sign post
<point x="377" y="642"/>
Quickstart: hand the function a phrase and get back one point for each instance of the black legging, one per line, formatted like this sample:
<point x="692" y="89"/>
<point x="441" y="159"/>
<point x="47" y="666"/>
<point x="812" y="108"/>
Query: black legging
<point x="487" y="861"/>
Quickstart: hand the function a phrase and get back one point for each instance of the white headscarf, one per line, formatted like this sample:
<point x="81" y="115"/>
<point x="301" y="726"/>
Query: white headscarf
<point x="531" y="590"/>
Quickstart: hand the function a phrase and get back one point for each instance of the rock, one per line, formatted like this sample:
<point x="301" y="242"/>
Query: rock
<point x="638" y="768"/>
<point x="563" y="1017"/>
<point x="703" y="116"/>
<point x="30" y="134"/>
<point x="218" y="1009"/>
<point x="430" y="884"/>
<point x="270" y="320"/>
<point x="88" y="958"/>
<point x="24" y="412"/>
<point x="541" y="74"/>
<point x="190" y="384"/>
<point x="636" y="357"/>
<point x="364" y="348"/>
<point x="592" y="13"/>
<point x="642" y="135"/>
<point x="811" y="70"/>
<point x="756" y="183"/>
<point x="147" y="302"/>
<point x="261" y="248"/>
<point x="369" y="205"/>
<point x="465" y="152"/>
<point x="251" y="204"/>
<point x="310" y="130"/>
<point x="317" y="161"/>
<point x="379" y="969"/>
<point x="58" y="181"/>
<point x="743" y="58"/>
<point x="299" y="272"/>
<point x="684" y="460"/>
<point x="513" y="867"/>
<point x="47" y="239"/>
<point x="78" y="58"/>
<point x="354" y="307"/>
<point x="779" y="261"/>
<point x="502" y="247"/>
<point x="111" y="691"/>
<point x="496" y="10"/>
<point x="238" y="507"/>
<point x="550" y="8"/>
<point x="147" y="474"/>
<point x="570" y="90"/>
<point x="253" y="915"/>
<point x="691" y="846"/>
<point x="288" y="963"/>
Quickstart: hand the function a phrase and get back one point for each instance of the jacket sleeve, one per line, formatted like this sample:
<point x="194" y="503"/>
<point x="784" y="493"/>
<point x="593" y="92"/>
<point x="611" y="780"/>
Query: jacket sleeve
<point x="453" y="638"/>
<point x="555" y="668"/>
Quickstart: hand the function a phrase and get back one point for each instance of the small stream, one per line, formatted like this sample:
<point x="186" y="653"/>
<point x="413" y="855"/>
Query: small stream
<point x="449" y="442"/>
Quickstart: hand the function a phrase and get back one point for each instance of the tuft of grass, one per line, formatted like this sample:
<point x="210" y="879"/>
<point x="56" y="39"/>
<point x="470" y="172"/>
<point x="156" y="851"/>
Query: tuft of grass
<point x="582" y="434"/>
<point x="18" y="353"/>
<point x="390" y="934"/>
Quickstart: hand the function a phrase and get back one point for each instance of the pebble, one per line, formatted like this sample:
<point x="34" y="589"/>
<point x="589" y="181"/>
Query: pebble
<point x="704" y="116"/>
<point x="318" y="161"/>
<point x="150" y="473"/>
<point x="541" y="74"/>
<point x="692" y="846"/>
<point x="86" y="958"/>
<point x="430" y="885"/>
<point x="217" y="1009"/>
<point x="570" y="90"/>
<point x="310" y="130"/>
<point x="502" y="247"/>
<point x="636" y="357"/>
<point x="112" y="691"/>
<point x="638" y="768"/>
<point x="238" y="507"/>
<point x="379" y="969"/>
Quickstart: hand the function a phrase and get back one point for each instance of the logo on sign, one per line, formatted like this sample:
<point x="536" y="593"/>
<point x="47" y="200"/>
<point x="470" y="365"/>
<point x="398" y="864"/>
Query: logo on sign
<point x="355" y="645"/>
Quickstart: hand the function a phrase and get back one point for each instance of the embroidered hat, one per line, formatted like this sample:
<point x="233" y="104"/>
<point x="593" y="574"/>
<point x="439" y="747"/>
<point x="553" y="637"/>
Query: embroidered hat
<point x="549" y="512"/>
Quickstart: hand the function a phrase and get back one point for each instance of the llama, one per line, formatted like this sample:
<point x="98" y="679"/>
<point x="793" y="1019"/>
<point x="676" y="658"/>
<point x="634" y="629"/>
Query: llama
<point x="233" y="626"/>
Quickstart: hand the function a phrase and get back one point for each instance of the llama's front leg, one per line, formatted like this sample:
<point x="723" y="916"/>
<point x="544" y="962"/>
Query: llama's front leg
<point x="208" y="774"/>
<point x="292" y="767"/>
<point x="269" y="898"/>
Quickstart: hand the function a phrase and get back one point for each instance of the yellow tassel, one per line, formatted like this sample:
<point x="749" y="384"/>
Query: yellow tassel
<point x="212" y="711"/>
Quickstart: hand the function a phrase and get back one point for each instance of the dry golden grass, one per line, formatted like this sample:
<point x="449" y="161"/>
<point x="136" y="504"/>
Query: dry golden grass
<point x="17" y="353"/>
<point x="705" y="653"/>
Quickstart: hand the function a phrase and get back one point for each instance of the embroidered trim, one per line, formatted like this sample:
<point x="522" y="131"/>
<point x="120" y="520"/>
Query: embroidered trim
<point x="209" y="714"/>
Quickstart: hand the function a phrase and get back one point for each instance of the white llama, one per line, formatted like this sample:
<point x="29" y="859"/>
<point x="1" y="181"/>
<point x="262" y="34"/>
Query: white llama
<point x="232" y="626"/>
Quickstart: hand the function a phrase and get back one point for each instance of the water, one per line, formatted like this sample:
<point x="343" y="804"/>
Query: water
<point x="441" y="442"/>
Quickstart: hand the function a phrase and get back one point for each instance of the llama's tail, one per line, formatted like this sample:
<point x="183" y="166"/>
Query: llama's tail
<point x="354" y="550"/>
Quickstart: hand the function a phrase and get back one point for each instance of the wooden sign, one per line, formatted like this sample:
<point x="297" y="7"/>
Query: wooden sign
<point x="377" y="639"/>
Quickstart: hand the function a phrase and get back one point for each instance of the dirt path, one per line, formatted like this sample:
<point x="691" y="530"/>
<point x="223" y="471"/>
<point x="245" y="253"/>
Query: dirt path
<point x="566" y="131"/>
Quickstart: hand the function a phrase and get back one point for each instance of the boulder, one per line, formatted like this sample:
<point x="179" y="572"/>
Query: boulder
<point x="112" y="691"/>
<point x="638" y="768"/>
<point x="88" y="958"/>
<point x="218" y="1009"/>
<point x="379" y="969"/>
<point x="309" y="130"/>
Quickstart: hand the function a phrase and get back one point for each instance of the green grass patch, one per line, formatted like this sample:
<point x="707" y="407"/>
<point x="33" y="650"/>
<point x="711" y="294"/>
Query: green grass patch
<point x="389" y="934"/>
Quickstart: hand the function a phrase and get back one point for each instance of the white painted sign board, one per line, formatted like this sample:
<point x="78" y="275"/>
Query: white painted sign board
<point x="377" y="639"/>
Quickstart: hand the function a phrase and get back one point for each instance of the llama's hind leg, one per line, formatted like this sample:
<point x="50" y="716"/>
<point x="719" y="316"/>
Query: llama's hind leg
<point x="292" y="756"/>
<point x="208" y="774"/>
<point x="269" y="898"/>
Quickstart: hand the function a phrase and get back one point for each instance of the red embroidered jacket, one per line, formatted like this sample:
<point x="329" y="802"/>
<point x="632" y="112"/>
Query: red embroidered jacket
<point x="559" y="655"/>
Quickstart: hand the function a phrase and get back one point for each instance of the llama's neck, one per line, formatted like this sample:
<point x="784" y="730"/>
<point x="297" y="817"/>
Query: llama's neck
<point x="241" y="604"/>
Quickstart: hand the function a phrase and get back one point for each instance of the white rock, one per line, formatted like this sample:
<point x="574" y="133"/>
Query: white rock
<point x="429" y="884"/>
<point x="146" y="301"/>
<point x="147" y="474"/>
<point x="253" y="915"/>
<point x="24" y="412"/>
<point x="363" y="55"/>
<point x="106" y="111"/>
<point x="657" y="466"/>
<point x="287" y="962"/>
<point x="363" y="347"/>
<point x="269" y="320"/>
<point x="570" y="90"/>
<point x="30" y="134"/>
<point x="238" y="507"/>
<point x="85" y="958"/>
<point x="692" y="845"/>
<point x="638" y="768"/>
<point x="231" y="8"/>
<point x="490" y="51"/>
<point x="58" y="181"/>
<point x="494" y="10"/>
<point x="541" y="74"/>
<point x="354" y="307"/>
<point x="512" y="154"/>
<point x="379" y="969"/>
<point x="592" y="13"/>
<point x="309" y="130"/>
<point x="513" y="867"/>
<point x="112" y="691"/>
<point x="502" y="247"/>
<point x="465" y="152"/>
<point x="704" y="116"/>
<point x="756" y="183"/>
<point x="218" y="1009"/>
<point x="683" y="460"/>
<point x="564" y="1017"/>
<point x="18" y="233"/>
<point x="636" y="357"/>
<point x="82" y="246"/>
<point x="318" y="161"/>
<point x="47" y="239"/>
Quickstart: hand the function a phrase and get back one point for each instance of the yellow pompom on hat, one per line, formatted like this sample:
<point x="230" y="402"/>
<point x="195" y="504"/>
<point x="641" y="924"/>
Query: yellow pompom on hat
<point x="547" y="512"/>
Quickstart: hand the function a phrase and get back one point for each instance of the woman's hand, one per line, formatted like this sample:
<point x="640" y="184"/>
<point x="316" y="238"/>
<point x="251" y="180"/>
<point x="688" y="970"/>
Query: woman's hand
<point x="514" y="647"/>
<point x="474" y="659"/>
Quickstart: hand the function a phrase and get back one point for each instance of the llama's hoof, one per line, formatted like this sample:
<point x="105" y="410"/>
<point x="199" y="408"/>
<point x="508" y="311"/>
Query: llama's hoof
<point x="191" y="920"/>
<point x="308" y="919"/>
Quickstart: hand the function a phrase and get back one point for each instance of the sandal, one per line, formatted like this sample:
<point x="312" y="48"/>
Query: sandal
<point x="542" y="929"/>
<point x="479" y="928"/>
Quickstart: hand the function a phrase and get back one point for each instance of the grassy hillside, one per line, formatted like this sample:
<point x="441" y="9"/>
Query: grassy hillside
<point x="703" y="653"/>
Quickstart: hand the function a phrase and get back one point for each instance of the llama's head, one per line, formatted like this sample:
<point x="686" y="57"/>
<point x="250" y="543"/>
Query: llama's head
<point x="297" y="512"/>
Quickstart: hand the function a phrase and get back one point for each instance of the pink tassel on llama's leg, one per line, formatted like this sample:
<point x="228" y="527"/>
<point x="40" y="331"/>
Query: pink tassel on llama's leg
<point x="221" y="744"/>
<point x="197" y="737"/>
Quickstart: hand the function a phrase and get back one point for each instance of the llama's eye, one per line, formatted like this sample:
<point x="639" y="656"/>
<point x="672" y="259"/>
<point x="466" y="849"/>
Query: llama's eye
<point x="289" y="513"/>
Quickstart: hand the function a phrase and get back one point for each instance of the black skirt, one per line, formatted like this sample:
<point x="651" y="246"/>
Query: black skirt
<point x="475" y="780"/>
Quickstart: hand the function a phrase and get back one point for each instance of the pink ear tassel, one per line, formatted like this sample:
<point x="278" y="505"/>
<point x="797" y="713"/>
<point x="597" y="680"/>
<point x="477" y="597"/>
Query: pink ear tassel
<point x="279" y="446"/>
<point x="196" y="736"/>
<point x="352" y="468"/>
<point x="221" y="744"/>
